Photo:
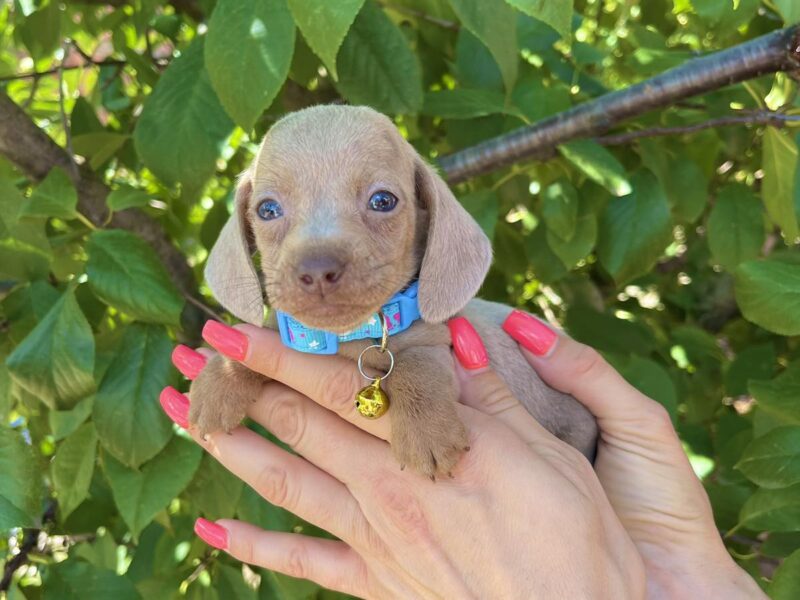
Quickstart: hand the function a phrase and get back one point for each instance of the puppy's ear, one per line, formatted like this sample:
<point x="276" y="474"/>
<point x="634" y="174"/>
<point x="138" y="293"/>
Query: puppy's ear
<point x="457" y="252"/>
<point x="230" y="272"/>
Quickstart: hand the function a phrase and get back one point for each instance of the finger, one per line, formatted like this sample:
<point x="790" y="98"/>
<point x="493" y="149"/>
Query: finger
<point x="279" y="477"/>
<point x="330" y="563"/>
<point x="581" y="371"/>
<point x="330" y="381"/>
<point x="482" y="388"/>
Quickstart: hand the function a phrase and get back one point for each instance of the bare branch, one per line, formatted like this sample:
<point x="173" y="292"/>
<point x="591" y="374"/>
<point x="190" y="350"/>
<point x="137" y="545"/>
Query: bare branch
<point x="56" y="70"/>
<point x="776" y="51"/>
<point x="758" y="118"/>
<point x="403" y="10"/>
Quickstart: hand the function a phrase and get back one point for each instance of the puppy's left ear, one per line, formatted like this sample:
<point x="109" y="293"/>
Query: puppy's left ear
<point x="457" y="252"/>
<point x="230" y="272"/>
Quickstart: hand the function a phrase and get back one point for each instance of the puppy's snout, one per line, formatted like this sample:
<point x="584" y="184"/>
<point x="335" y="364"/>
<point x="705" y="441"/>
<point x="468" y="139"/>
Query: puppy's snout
<point x="320" y="273"/>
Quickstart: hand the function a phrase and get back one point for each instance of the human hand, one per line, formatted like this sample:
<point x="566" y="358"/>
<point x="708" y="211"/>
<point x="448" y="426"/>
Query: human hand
<point x="643" y="469"/>
<point x="523" y="516"/>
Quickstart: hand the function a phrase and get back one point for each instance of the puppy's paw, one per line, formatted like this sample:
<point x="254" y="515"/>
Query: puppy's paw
<point x="220" y="395"/>
<point x="430" y="443"/>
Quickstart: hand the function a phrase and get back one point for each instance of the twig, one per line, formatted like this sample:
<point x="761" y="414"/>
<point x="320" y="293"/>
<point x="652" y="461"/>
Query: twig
<point x="29" y="542"/>
<point x="73" y="166"/>
<point x="206" y="309"/>
<point x="759" y="118"/>
<point x="421" y="15"/>
<point x="776" y="51"/>
<point x="55" y="70"/>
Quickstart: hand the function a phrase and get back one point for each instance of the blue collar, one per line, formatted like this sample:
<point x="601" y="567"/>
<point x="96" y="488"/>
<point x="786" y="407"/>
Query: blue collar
<point x="401" y="311"/>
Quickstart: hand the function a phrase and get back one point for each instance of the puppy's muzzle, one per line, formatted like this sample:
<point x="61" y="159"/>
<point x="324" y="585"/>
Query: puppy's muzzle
<point x="320" y="273"/>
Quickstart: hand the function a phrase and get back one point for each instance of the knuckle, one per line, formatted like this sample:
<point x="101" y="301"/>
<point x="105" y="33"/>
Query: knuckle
<point x="337" y="392"/>
<point x="495" y="398"/>
<point x="297" y="564"/>
<point x="273" y="485"/>
<point x="588" y="362"/>
<point x="286" y="418"/>
<point x="402" y="509"/>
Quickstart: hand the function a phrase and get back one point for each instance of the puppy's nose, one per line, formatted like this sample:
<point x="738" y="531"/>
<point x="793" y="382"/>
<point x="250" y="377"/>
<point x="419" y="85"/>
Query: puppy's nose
<point x="320" y="273"/>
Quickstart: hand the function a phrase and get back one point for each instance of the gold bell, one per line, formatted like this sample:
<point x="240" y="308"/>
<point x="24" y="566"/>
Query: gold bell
<point x="372" y="402"/>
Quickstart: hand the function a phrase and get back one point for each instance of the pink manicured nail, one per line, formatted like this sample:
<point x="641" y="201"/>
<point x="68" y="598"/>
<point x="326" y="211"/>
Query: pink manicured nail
<point x="530" y="332"/>
<point x="211" y="533"/>
<point x="226" y="340"/>
<point x="467" y="344"/>
<point x="176" y="405"/>
<point x="187" y="361"/>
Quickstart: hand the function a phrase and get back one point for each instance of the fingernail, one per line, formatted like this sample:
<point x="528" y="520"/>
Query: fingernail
<point x="467" y="344"/>
<point x="187" y="361"/>
<point x="176" y="405"/>
<point x="211" y="533"/>
<point x="530" y="332"/>
<point x="226" y="340"/>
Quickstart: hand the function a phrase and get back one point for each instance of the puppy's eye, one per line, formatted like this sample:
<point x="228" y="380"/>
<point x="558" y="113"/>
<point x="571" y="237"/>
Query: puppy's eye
<point x="269" y="209"/>
<point x="382" y="201"/>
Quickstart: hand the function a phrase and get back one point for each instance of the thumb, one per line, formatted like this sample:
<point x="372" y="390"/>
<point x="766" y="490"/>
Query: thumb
<point x="579" y="370"/>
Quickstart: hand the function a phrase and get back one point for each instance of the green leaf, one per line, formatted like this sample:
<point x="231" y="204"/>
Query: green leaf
<point x="483" y="206"/>
<point x="735" y="226"/>
<point x="55" y="197"/>
<point x="141" y="494"/>
<point x="560" y="209"/>
<point x="181" y="130"/>
<point x="231" y="584"/>
<point x="772" y="510"/>
<point x="789" y="9"/>
<point x="495" y="24"/>
<point x="785" y="583"/>
<point x="634" y="230"/>
<point x="556" y="13"/>
<point x="25" y="252"/>
<point x="376" y="66"/>
<point x="780" y="164"/>
<point x="653" y="381"/>
<point x="98" y="146"/>
<point x="768" y="293"/>
<point x="598" y="164"/>
<point x="248" y="74"/>
<point x="55" y="361"/>
<point x="324" y="26"/>
<point x="65" y="422"/>
<point x="465" y="103"/>
<point x="687" y="189"/>
<point x="778" y="397"/>
<point x="773" y="460"/>
<point x="581" y="243"/>
<point x="72" y="468"/>
<point x="79" y="580"/>
<point x="127" y="197"/>
<point x="41" y="31"/>
<point x="753" y="362"/>
<point x="215" y="491"/>
<point x="20" y="488"/>
<point x="125" y="272"/>
<point x="126" y="403"/>
<point x="475" y="66"/>
<point x="607" y="333"/>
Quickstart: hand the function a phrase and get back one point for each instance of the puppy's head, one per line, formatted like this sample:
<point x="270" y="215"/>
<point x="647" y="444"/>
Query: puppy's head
<point x="343" y="214"/>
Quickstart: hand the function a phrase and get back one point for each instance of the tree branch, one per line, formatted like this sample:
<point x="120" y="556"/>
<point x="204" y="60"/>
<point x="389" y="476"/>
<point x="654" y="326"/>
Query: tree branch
<point x="775" y="119"/>
<point x="776" y="51"/>
<point x="35" y="153"/>
<point x="29" y="541"/>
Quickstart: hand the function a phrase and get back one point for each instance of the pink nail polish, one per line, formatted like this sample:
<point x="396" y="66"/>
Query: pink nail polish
<point x="211" y="533"/>
<point x="187" y="361"/>
<point x="530" y="332"/>
<point x="226" y="340"/>
<point x="467" y="344"/>
<point x="176" y="405"/>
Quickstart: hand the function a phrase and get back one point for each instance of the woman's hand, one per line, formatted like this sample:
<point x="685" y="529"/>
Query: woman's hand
<point x="523" y="516"/>
<point x="643" y="469"/>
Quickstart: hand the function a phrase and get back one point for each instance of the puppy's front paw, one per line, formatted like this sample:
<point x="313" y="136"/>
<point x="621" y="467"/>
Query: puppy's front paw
<point x="220" y="395"/>
<point x="430" y="442"/>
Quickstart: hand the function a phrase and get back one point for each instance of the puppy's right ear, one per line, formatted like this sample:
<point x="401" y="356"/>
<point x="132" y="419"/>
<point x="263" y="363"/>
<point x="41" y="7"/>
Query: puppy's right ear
<point x="230" y="272"/>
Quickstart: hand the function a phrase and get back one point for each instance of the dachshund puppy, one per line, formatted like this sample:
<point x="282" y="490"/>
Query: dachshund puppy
<point x="344" y="214"/>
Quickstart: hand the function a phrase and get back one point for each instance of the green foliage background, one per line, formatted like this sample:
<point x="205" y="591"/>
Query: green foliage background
<point x="674" y="256"/>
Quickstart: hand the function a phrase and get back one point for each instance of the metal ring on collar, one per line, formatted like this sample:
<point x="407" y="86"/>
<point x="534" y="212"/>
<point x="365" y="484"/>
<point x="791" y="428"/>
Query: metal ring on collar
<point x="379" y="349"/>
